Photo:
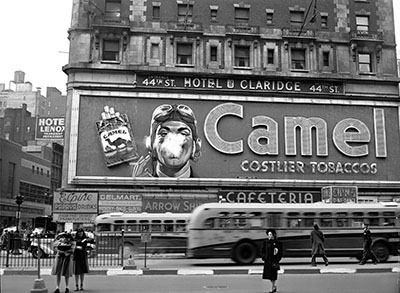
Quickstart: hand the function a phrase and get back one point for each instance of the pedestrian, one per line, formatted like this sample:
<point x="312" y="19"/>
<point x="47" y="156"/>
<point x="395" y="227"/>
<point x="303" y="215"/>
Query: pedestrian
<point x="317" y="245"/>
<point x="271" y="254"/>
<point x="367" y="241"/>
<point x="63" y="262"/>
<point x="81" y="265"/>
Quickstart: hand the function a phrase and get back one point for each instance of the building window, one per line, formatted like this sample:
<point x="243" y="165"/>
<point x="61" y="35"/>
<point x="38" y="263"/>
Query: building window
<point x="270" y="56"/>
<point x="185" y="13"/>
<point x="184" y="54"/>
<point x="362" y="23"/>
<point x="11" y="176"/>
<point x="113" y="8"/>
<point x="110" y="50"/>
<point x="213" y="53"/>
<point x="324" y="21"/>
<point x="33" y="169"/>
<point x="325" y="59"/>
<point x="242" y="56"/>
<point x="213" y="14"/>
<point x="296" y="18"/>
<point x="364" y="62"/>
<point x="155" y="51"/>
<point x="242" y="15"/>
<point x="156" y="11"/>
<point x="270" y="16"/>
<point x="298" y="58"/>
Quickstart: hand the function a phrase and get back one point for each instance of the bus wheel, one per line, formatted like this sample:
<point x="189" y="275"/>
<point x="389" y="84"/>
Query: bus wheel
<point x="381" y="251"/>
<point x="244" y="253"/>
<point x="128" y="250"/>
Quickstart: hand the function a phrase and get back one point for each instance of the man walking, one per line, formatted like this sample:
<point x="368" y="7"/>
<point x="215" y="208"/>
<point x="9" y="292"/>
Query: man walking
<point x="367" y="241"/>
<point x="317" y="242"/>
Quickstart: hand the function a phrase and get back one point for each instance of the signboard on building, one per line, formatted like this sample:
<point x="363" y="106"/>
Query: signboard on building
<point x="124" y="202"/>
<point x="173" y="205"/>
<point x="245" y="140"/>
<point x="268" y="196"/>
<point x="75" y="202"/>
<point x="339" y="194"/>
<point x="74" y="218"/>
<point x="50" y="128"/>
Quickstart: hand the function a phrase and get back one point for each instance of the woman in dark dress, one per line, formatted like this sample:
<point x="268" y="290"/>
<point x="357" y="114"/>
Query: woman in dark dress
<point x="81" y="266"/>
<point x="271" y="254"/>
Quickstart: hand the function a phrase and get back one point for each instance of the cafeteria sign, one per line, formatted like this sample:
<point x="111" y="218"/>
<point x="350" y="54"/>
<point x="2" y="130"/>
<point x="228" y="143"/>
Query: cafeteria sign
<point x="50" y="128"/>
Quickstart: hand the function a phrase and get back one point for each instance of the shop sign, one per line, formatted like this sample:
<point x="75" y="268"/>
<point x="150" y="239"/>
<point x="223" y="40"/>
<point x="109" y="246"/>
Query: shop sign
<point x="339" y="194"/>
<point x="173" y="205"/>
<point x="261" y="85"/>
<point x="110" y="202"/>
<point x="75" y="202"/>
<point x="50" y="128"/>
<point x="271" y="196"/>
<point x="74" y="218"/>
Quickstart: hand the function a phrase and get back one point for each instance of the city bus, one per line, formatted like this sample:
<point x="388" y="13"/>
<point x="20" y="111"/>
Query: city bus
<point x="127" y="233"/>
<point x="237" y="230"/>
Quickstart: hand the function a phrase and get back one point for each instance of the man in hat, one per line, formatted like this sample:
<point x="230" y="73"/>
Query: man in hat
<point x="173" y="141"/>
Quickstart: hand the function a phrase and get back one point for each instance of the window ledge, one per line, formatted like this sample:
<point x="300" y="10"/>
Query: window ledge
<point x="242" y="68"/>
<point x="300" y="70"/>
<point x="184" y="65"/>
<point x="110" y="62"/>
<point x="367" y="73"/>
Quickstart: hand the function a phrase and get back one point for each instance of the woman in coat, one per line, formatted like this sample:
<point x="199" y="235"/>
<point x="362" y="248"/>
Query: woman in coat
<point x="271" y="254"/>
<point x="63" y="262"/>
<point x="317" y="245"/>
<point x="81" y="266"/>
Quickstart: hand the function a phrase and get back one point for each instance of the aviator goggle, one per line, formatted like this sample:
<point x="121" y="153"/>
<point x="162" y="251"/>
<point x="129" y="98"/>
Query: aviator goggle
<point x="165" y="112"/>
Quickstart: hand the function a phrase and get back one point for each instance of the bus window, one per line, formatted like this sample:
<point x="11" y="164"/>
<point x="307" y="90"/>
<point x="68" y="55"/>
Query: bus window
<point x="144" y="225"/>
<point x="119" y="227"/>
<point x="224" y="222"/>
<point x="273" y="220"/>
<point x="103" y="227"/>
<point x="342" y="220"/>
<point x="239" y="223"/>
<point x="131" y="226"/>
<point x="180" y="226"/>
<point x="309" y="219"/>
<point x="389" y="219"/>
<point x="293" y="220"/>
<point x="156" y="226"/>
<point x="326" y="219"/>
<point x="209" y="223"/>
<point x="168" y="226"/>
<point x="373" y="218"/>
<point x="358" y="219"/>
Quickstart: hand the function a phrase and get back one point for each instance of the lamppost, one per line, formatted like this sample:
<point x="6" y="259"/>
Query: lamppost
<point x="19" y="199"/>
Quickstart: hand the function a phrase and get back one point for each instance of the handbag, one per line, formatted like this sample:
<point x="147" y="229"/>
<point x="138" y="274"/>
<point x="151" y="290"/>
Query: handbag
<point x="276" y="266"/>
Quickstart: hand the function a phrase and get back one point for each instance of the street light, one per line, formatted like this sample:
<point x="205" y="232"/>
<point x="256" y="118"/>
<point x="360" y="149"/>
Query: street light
<point x="19" y="199"/>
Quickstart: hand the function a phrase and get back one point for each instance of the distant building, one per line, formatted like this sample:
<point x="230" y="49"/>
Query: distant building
<point x="28" y="175"/>
<point x="17" y="125"/>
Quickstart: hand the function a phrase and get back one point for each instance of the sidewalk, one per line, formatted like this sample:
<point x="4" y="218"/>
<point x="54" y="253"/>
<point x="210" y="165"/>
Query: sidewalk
<point x="225" y="270"/>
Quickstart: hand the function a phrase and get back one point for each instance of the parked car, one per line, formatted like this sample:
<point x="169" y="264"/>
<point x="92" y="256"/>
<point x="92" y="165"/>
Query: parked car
<point x="47" y="249"/>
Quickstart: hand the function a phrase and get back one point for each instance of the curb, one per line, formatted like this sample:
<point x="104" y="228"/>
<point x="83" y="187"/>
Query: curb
<point x="202" y="272"/>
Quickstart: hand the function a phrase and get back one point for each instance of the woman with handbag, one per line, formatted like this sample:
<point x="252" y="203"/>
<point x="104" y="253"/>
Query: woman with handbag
<point x="271" y="254"/>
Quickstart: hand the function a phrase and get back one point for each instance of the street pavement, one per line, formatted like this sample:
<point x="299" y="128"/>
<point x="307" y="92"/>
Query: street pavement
<point x="179" y="265"/>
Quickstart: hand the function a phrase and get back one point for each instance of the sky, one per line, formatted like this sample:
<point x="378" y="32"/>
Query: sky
<point x="34" y="39"/>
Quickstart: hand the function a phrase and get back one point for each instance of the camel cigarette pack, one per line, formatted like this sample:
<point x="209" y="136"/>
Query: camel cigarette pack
<point x="117" y="141"/>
